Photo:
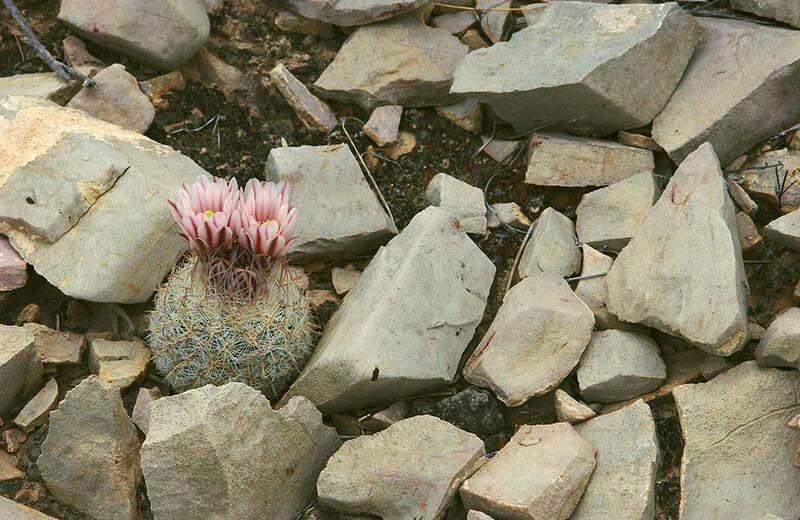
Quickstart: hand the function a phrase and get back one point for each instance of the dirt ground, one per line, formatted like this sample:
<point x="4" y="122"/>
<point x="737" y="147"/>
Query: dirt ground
<point x="254" y="119"/>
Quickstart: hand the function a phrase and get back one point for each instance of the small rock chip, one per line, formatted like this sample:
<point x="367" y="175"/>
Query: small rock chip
<point x="785" y="230"/>
<point x="14" y="511"/>
<point x="13" y="269"/>
<point x="508" y="213"/>
<point x="383" y="124"/>
<point x="209" y="69"/>
<point x="406" y="141"/>
<point x="388" y="416"/>
<point x="607" y="218"/>
<point x="56" y="347"/>
<point x="473" y="40"/>
<point x="455" y="23"/>
<point x="141" y="410"/>
<point x="76" y="54"/>
<point x="314" y="113"/>
<point x="495" y="18"/>
<point x="564" y="160"/>
<point x="592" y="287"/>
<point x="17" y="355"/>
<point x="501" y="150"/>
<point x="540" y="473"/>
<point x="35" y="412"/>
<point x="569" y="409"/>
<point x="118" y="363"/>
<point x="714" y="366"/>
<point x="14" y="439"/>
<point x="477" y="515"/>
<point x="751" y="241"/>
<point x="552" y="247"/>
<point x="465" y="114"/>
<point x="534" y="342"/>
<point x="464" y="201"/>
<point x="780" y="346"/>
<point x="9" y="471"/>
<point x="44" y="85"/>
<point x="344" y="279"/>
<point x="639" y="141"/>
<point x="359" y="12"/>
<point x="90" y="458"/>
<point x="741" y="198"/>
<point x="619" y="365"/>
<point x="317" y="297"/>
<point x="288" y="21"/>
<point x="794" y="423"/>
<point x="411" y="469"/>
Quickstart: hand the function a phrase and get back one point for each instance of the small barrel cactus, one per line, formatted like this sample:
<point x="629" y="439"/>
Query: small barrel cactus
<point x="232" y="311"/>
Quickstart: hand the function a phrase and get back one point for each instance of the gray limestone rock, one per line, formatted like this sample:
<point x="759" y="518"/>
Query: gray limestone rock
<point x="353" y="12"/>
<point x="464" y="201"/>
<point x="569" y="409"/>
<point x="56" y="347"/>
<point x="383" y="124"/>
<point x="552" y="247"/>
<point x="780" y="346"/>
<point x="118" y="363"/>
<point x="17" y="353"/>
<point x="314" y="113"/>
<point x="782" y="10"/>
<point x="785" y="230"/>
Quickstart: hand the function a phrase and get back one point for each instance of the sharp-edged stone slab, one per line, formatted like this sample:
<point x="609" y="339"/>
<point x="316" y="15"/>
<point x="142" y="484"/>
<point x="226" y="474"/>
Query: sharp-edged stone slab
<point x="501" y="150"/>
<point x="607" y="218"/>
<point x="161" y="35"/>
<point x="534" y="342"/>
<point x="56" y="347"/>
<point x="141" y="409"/>
<point x="495" y="18"/>
<point x="785" y="230"/>
<point x="749" y="238"/>
<point x="619" y="365"/>
<point x="314" y="113"/>
<point x="383" y="124"/>
<point x="388" y="416"/>
<point x="738" y="453"/>
<point x="353" y="12"/>
<point x="464" y="201"/>
<point x="540" y="473"/>
<point x="780" y="346"/>
<point x="17" y="351"/>
<point x="746" y="92"/>
<point x="623" y="485"/>
<point x="224" y="453"/>
<point x="552" y="247"/>
<point x="787" y="11"/>
<point x="563" y="160"/>
<point x="455" y="23"/>
<point x="578" y="60"/>
<point x="118" y="363"/>
<point x="403" y="328"/>
<point x="569" y="409"/>
<point x="13" y="269"/>
<point x="344" y="279"/>
<point x="35" y="412"/>
<point x="412" y="469"/>
<point x="682" y="272"/>
<point x="14" y="511"/>
<point x="68" y="226"/>
<point x="90" y="458"/>
<point x="465" y="114"/>
<point x="397" y="62"/>
<point x="508" y="213"/>
<point x="346" y="219"/>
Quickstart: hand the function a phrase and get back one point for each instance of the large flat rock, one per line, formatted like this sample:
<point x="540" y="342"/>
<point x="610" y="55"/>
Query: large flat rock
<point x="100" y="230"/>
<point x="223" y="453"/>
<point x="746" y="91"/>
<point x="412" y="469"/>
<point x="682" y="272"/>
<point x="738" y="453"/>
<point x="396" y="62"/>
<point x="403" y="328"/>
<point x="572" y="68"/>
<point x="534" y="342"/>
<point x="344" y="216"/>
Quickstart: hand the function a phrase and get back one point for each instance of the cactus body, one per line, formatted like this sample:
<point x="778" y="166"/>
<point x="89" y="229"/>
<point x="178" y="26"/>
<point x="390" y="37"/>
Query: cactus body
<point x="200" y="335"/>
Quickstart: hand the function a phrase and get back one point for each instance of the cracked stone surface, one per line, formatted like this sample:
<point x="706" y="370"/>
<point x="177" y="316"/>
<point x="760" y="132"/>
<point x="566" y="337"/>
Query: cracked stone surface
<point x="738" y="453"/>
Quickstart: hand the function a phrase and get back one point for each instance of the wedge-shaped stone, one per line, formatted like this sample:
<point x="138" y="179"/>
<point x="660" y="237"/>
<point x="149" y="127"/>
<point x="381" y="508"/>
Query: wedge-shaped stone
<point x="353" y="12"/>
<point x="607" y="218"/>
<point x="35" y="412"/>
<point x="346" y="219"/>
<point x="17" y="354"/>
<point x="593" y="291"/>
<point x="785" y="230"/>
<point x="397" y="62"/>
<point x="552" y="247"/>
<point x="569" y="409"/>
<point x="224" y="453"/>
<point x="780" y="346"/>
<point x="56" y="347"/>
<point x="13" y="269"/>
<point x="682" y="272"/>
<point x="464" y="201"/>
<point x="412" y="469"/>
<point x="90" y="458"/>
<point x="746" y="92"/>
<point x="403" y="328"/>
<point x="782" y="10"/>
<point x="738" y="453"/>
<point x="100" y="229"/>
<point x="623" y="485"/>
<point x="541" y="473"/>
<point x="534" y="342"/>
<point x="118" y="363"/>
<point x="314" y="113"/>
<point x="571" y="69"/>
<point x="563" y="160"/>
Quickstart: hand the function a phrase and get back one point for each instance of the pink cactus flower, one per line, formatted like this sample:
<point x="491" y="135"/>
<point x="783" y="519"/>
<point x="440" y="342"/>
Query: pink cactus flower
<point x="265" y="222"/>
<point x="204" y="212"/>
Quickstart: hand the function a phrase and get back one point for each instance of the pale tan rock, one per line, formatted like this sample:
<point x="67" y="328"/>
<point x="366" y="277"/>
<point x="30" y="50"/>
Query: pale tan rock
<point x="569" y="409"/>
<point x="388" y="416"/>
<point x="14" y="439"/>
<point x="344" y="279"/>
<point x="208" y="68"/>
<point x="317" y="297"/>
<point x="508" y="213"/>
<point x="288" y="21"/>
<point x="501" y="150"/>
<point x="9" y="470"/>
<point x="35" y="412"/>
<point x="465" y="114"/>
<point x="56" y="347"/>
<point x="44" y="85"/>
<point x="639" y="141"/>
<point x="141" y="411"/>
<point x="383" y="124"/>
<point x="17" y="351"/>
<point x="118" y="363"/>
<point x="741" y="198"/>
<point x="785" y="230"/>
<point x="786" y="11"/>
<point x="749" y="238"/>
<point x="14" y="511"/>
<point x="477" y="515"/>
<point x="405" y="144"/>
<point x="314" y="113"/>
<point x="464" y="201"/>
<point x="455" y="23"/>
<point x="76" y="54"/>
<point x="552" y="247"/>
<point x="780" y="346"/>
<point x="473" y="40"/>
<point x="761" y="179"/>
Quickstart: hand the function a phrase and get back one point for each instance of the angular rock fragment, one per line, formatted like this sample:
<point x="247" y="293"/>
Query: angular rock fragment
<point x="14" y="511"/>
<point x="786" y="11"/>
<point x="741" y="197"/>
<point x="314" y="113"/>
<point x="141" y="409"/>
<point x="540" y="473"/>
<point x="607" y="218"/>
<point x="751" y="242"/>
<point x="534" y="342"/>
<point x="344" y="279"/>
<point x="639" y="141"/>
<point x="44" y="85"/>
<point x="501" y="150"/>
<point x="455" y="23"/>
<point x="714" y="365"/>
<point x="495" y="18"/>
<point x="785" y="230"/>
<point x="408" y="64"/>
<point x="473" y="40"/>
<point x="17" y="353"/>
<point x="410" y="470"/>
<point x="465" y="114"/>
<point x="160" y="36"/>
<point x="116" y="99"/>
<point x="571" y="410"/>
<point x="746" y="93"/>
<point x="118" y="363"/>
<point x="740" y="463"/>
<point x="224" y="453"/>
<point x="464" y="201"/>
<point x="477" y="515"/>
<point x="578" y="58"/>
<point x="623" y="484"/>
<point x="508" y="213"/>
<point x="564" y="160"/>
<point x="619" y="365"/>
<point x="56" y="347"/>
<point x="288" y="21"/>
<point x="383" y="124"/>
<point x="347" y="218"/>
<point x="682" y="272"/>
<point x="13" y="269"/>
<point x="388" y="416"/>
<point x="592" y="287"/>
<point x="552" y="247"/>
<point x="780" y="346"/>
<point x="35" y="412"/>
<point x="353" y="12"/>
<point x="76" y="54"/>
<point x="57" y="224"/>
<point x="427" y="289"/>
<point x="209" y="69"/>
<point x="90" y="458"/>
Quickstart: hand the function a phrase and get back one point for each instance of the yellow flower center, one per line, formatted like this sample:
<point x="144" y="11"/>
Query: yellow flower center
<point x="264" y="223"/>
<point x="209" y="213"/>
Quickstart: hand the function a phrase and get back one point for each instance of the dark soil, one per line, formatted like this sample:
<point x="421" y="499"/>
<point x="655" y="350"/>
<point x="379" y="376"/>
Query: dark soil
<point x="253" y="120"/>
